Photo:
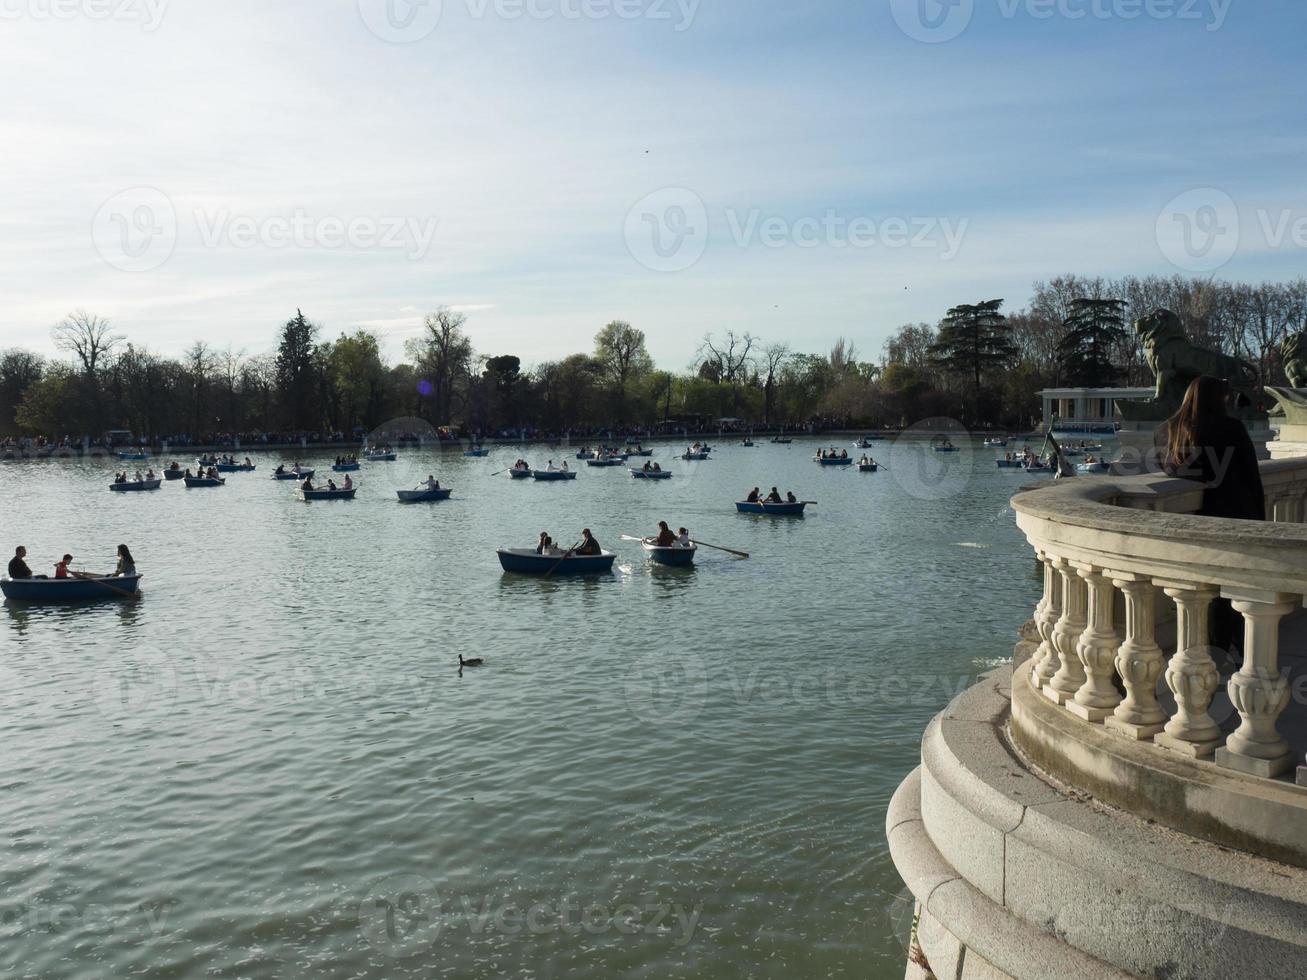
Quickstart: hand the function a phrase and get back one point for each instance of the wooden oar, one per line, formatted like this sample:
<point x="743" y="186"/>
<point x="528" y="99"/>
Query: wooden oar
<point x="732" y="551"/>
<point x="99" y="580"/>
<point x="501" y="472"/>
<point x="631" y="537"/>
<point x="566" y="554"/>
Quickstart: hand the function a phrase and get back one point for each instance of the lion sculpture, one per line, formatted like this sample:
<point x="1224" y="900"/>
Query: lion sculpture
<point x="1175" y="361"/>
<point x="1294" y="351"/>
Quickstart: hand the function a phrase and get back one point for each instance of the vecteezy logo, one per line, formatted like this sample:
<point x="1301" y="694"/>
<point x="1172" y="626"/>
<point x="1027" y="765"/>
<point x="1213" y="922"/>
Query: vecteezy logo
<point x="401" y="915"/>
<point x="930" y="464"/>
<point x="667" y="231"/>
<point x="400" y="21"/>
<point x="666" y="689"/>
<point x="1198" y="231"/>
<point x="136" y="229"/>
<point x="932" y="21"/>
<point x="132" y="690"/>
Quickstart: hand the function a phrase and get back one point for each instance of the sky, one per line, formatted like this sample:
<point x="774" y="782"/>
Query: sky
<point x="194" y="169"/>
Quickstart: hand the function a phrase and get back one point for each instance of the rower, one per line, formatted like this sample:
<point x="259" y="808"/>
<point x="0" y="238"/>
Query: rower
<point x="774" y="497"/>
<point x="307" y="484"/>
<point x="349" y="484"/>
<point x="432" y="482"/>
<point x="665" y="537"/>
<point x="588" y="546"/>
<point x="753" y="496"/>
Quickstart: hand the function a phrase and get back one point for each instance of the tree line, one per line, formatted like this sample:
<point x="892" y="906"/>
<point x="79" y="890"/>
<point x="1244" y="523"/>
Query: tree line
<point x="979" y="364"/>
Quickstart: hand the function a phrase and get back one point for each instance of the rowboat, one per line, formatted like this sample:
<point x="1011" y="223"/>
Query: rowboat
<point x="674" y="555"/>
<point x="747" y="443"/>
<point x="545" y="476"/>
<point x="868" y="467"/>
<point x="69" y="589"/>
<point x="607" y="461"/>
<point x="173" y="474"/>
<point x="1038" y="468"/>
<point x="639" y="452"/>
<point x="345" y="467"/>
<point x="382" y="457"/>
<point x="337" y="494"/>
<point x="1009" y="464"/>
<point x="693" y="456"/>
<point x="233" y="467"/>
<point x="422" y="496"/>
<point x="1093" y="469"/>
<point x="782" y="442"/>
<point x="772" y="510"/>
<point x="866" y="441"/>
<point x="477" y="453"/>
<point x="995" y="443"/>
<point x="585" y="455"/>
<point x="133" y="456"/>
<point x="525" y="561"/>
<point x="522" y="474"/>
<point x="135" y="485"/>
<point x="829" y="461"/>
<point x="651" y="474"/>
<point x="203" y="481"/>
<point x="293" y="474"/>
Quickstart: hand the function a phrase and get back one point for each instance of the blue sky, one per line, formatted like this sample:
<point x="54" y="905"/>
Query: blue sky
<point x="805" y="170"/>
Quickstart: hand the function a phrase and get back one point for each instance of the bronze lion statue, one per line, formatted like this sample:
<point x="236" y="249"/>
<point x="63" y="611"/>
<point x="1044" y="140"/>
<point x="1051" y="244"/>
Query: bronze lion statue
<point x="1175" y="361"/>
<point x="1294" y="352"/>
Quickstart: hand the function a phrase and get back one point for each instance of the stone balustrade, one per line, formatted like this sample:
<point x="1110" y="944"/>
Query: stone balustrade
<point x="1120" y="556"/>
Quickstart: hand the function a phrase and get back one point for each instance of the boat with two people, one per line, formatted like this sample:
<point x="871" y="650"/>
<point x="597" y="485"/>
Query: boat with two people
<point x="429" y="490"/>
<point x="586" y="557"/>
<point x="772" y="505"/>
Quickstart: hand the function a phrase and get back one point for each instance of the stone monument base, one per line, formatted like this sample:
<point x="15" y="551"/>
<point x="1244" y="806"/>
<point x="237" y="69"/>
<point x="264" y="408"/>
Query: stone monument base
<point x="1139" y="452"/>
<point x="1292" y="442"/>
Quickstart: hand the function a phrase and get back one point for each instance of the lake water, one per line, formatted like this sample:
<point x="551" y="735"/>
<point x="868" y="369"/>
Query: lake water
<point x="270" y="765"/>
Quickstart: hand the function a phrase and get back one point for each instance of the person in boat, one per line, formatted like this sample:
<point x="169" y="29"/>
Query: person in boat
<point x="753" y="496"/>
<point x="844" y="454"/>
<point x="588" y="546"/>
<point x="563" y="468"/>
<point x="862" y="461"/>
<point x="331" y="484"/>
<point x="790" y="498"/>
<point x="542" y="546"/>
<point x="18" y="566"/>
<point x="137" y="478"/>
<point x="279" y="471"/>
<point x="149" y="474"/>
<point x="656" y="468"/>
<point x="349" y="484"/>
<point x="126" y="564"/>
<point x="61" y="569"/>
<point x="647" y="467"/>
<point x="432" y="483"/>
<point x="665" y="538"/>
<point x="683" y="539"/>
<point x="774" y="497"/>
<point x="247" y="463"/>
<point x="551" y="468"/>
<point x="213" y="473"/>
<point x="307" y="484"/>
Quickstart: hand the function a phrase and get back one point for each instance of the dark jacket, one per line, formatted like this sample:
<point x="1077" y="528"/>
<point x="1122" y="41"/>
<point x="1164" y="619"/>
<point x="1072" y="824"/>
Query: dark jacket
<point x="1227" y="463"/>
<point x="18" y="568"/>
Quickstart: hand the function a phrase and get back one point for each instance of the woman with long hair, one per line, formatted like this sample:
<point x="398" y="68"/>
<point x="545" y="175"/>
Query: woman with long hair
<point x="1204" y="443"/>
<point x="126" y="565"/>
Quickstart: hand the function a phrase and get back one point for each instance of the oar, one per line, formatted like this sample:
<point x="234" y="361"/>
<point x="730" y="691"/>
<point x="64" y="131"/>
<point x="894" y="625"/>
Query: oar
<point x="99" y="580"/>
<point x="563" y="559"/>
<point x="630" y="537"/>
<point x="732" y="551"/>
<point x="501" y="472"/>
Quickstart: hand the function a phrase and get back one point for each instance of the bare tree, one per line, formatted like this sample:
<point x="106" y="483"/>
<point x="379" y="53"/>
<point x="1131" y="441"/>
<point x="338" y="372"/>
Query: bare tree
<point x="87" y="336"/>
<point x="731" y="357"/>
<point x="771" y="362"/>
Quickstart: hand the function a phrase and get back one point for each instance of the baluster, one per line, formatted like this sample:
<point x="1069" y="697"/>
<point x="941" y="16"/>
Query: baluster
<point x="1140" y="663"/>
<point x="1191" y="675"/>
<point x="1070" y="672"/>
<point x="1258" y="691"/>
<point x="1096" y="650"/>
<point x="1046" y="616"/>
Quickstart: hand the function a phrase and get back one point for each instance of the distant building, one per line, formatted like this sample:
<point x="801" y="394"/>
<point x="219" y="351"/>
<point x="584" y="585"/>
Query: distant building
<point x="1086" y="409"/>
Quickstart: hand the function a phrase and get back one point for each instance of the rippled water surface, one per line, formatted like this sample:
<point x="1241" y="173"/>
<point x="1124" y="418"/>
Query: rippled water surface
<point x="270" y="765"/>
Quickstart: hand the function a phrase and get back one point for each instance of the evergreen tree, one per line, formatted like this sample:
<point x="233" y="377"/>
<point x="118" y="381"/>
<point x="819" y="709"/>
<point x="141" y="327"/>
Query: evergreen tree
<point x="295" y="372"/>
<point x="974" y="339"/>
<point x="1084" y="353"/>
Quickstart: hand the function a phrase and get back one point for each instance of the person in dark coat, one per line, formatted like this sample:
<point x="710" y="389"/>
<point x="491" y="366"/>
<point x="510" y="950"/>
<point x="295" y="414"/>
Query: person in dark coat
<point x="1204" y="443"/>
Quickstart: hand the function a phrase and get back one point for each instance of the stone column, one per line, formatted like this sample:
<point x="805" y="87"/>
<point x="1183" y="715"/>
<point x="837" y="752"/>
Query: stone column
<point x="1096" y="650"/>
<point x="1047" y="614"/>
<point x="1191" y="675"/>
<point x="1140" y="664"/>
<point x="1258" y="691"/>
<point x="1066" y="634"/>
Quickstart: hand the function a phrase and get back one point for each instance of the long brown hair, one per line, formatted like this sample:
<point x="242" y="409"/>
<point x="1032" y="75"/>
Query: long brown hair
<point x="1186" y="430"/>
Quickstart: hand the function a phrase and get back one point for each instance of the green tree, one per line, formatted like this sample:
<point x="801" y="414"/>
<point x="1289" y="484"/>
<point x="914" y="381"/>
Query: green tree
<point x="1093" y="327"/>
<point x="359" y="377"/>
<point x="621" y="353"/>
<point x="295" y="372"/>
<point x="974" y="339"/>
<point x="19" y="370"/>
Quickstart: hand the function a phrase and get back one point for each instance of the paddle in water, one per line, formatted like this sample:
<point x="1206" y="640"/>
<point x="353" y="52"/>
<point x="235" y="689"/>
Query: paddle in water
<point x="566" y="554"/>
<point x="731" y="551"/>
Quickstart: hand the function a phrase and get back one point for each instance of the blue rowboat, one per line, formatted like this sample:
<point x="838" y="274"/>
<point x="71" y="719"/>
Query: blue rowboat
<point x="520" y="474"/>
<point x="69" y="589"/>
<point x="294" y="474"/>
<point x="422" y="496"/>
<point x="1038" y="468"/>
<point x="380" y="458"/>
<point x="584" y="455"/>
<point x="234" y="468"/>
<point x="639" y="452"/>
<point x="868" y="467"/>
<point x="781" y="442"/>
<point x="345" y="467"/>
<point x="133" y="456"/>
<point x="694" y="456"/>
<point x="173" y="474"/>
<point x="524" y="561"/>
<point x="651" y="474"/>
<point x="1009" y="464"/>
<point x="135" y="485"/>
<point x="203" y="481"/>
<point x="545" y="476"/>
<point x="338" y="494"/>
<point x="477" y="453"/>
<point x="674" y="555"/>
<point x="1093" y="469"/>
<point x="747" y="443"/>
<point x="844" y="461"/>
<point x="772" y="510"/>
<point x="606" y="461"/>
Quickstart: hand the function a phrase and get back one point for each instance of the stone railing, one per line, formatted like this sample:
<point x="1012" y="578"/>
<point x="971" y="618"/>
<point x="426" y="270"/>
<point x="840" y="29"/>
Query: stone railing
<point x="1118" y="554"/>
